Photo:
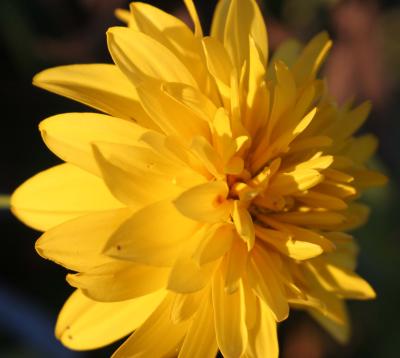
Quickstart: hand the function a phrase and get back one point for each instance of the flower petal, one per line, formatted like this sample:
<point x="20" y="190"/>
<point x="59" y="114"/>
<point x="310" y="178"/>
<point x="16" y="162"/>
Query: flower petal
<point x="60" y="194"/>
<point x="243" y="224"/>
<point x="198" y="31"/>
<point x="119" y="281"/>
<point x="339" y="330"/>
<point x="153" y="235"/>
<point x="157" y="337"/>
<point x="188" y="277"/>
<point x="215" y="244"/>
<point x="263" y="339"/>
<point x="311" y="58"/>
<point x="138" y="56"/>
<point x="200" y="340"/>
<point x="285" y="244"/>
<point x="229" y="318"/>
<point x="100" y="86"/>
<point x="266" y="284"/>
<point x="244" y="19"/>
<point x="342" y="281"/>
<point x="205" y="202"/>
<point x="70" y="135"/>
<point x="185" y="305"/>
<point x="85" y="324"/>
<point x="77" y="244"/>
<point x="159" y="104"/>
<point x="138" y="176"/>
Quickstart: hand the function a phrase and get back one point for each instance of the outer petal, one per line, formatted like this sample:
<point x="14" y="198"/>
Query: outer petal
<point x="85" y="324"/>
<point x="70" y="135"/>
<point x="284" y="243"/>
<point x="59" y="194"/>
<point x="339" y="330"/>
<point x="157" y="337"/>
<point x="118" y="281"/>
<point x="218" y="22"/>
<point x="244" y="20"/>
<point x="138" y="176"/>
<point x="77" y="244"/>
<point x="229" y="318"/>
<point x="141" y="57"/>
<point x="170" y="113"/>
<point x="100" y="86"/>
<point x="263" y="340"/>
<point x="195" y="17"/>
<point x="188" y="277"/>
<point x="200" y="340"/>
<point x="265" y="282"/>
<point x="341" y="281"/>
<point x="172" y="33"/>
<point x="311" y="58"/>
<point x="153" y="235"/>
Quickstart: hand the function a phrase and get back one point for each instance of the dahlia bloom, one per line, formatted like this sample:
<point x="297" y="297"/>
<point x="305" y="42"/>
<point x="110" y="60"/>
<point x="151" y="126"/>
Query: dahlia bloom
<point x="213" y="196"/>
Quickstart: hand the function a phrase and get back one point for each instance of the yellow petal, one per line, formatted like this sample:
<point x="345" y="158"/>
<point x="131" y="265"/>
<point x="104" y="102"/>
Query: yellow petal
<point x="138" y="56"/>
<point x="301" y="234"/>
<point x="215" y="244"/>
<point x="205" y="202"/>
<point x="100" y="86"/>
<point x="77" y="244"/>
<point x="257" y="95"/>
<point x="200" y="340"/>
<point x="219" y="65"/>
<point x="284" y="243"/>
<point x="350" y="122"/>
<point x="356" y="215"/>
<point x="157" y="337"/>
<point x="122" y="15"/>
<point x="234" y="265"/>
<point x="265" y="282"/>
<point x="244" y="18"/>
<point x="153" y="235"/>
<point x="263" y="340"/>
<point x="59" y="194"/>
<point x="159" y="104"/>
<point x="137" y="176"/>
<point x="195" y="17"/>
<point x="287" y="52"/>
<point x="224" y="142"/>
<point x="311" y="58"/>
<point x="368" y="178"/>
<point x="70" y="135"/>
<point x="208" y="156"/>
<point x="243" y="224"/>
<point x="312" y="219"/>
<point x="185" y="305"/>
<point x="230" y="319"/>
<point x="219" y="19"/>
<point x="296" y="181"/>
<point x="85" y="324"/>
<point x="341" y="281"/>
<point x="119" y="281"/>
<point x="339" y="331"/>
<point x="319" y="200"/>
<point x="188" y="277"/>
<point x="193" y="99"/>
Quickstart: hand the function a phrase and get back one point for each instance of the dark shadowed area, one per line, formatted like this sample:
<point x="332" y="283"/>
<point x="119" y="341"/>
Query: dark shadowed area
<point x="364" y="64"/>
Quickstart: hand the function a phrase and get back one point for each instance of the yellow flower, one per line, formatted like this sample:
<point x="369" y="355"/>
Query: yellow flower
<point x="212" y="196"/>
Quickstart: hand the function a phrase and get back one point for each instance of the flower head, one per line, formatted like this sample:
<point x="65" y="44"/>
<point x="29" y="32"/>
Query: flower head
<point x="210" y="199"/>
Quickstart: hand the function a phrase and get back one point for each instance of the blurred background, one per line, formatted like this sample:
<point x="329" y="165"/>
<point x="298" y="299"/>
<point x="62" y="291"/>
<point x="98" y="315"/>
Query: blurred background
<point x="364" y="63"/>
